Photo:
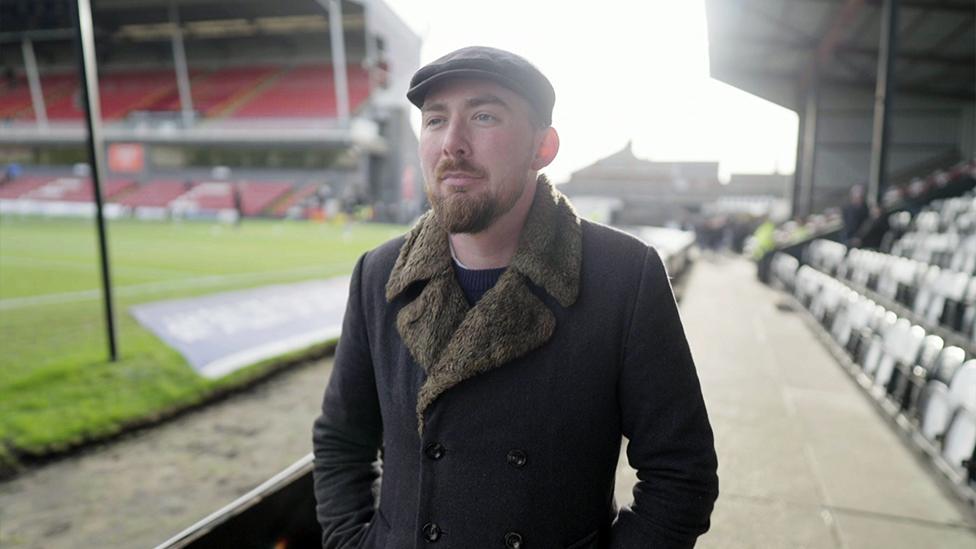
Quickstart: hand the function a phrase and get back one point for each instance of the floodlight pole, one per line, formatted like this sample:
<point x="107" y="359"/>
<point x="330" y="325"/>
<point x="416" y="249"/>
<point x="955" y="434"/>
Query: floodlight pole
<point x="93" y="118"/>
<point x="881" y="135"/>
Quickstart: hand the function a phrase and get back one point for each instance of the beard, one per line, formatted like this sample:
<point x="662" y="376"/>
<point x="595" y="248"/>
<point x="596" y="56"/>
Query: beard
<point x="461" y="211"/>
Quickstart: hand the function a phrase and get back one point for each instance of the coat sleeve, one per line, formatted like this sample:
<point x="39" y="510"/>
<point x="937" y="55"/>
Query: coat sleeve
<point x="663" y="416"/>
<point x="347" y="435"/>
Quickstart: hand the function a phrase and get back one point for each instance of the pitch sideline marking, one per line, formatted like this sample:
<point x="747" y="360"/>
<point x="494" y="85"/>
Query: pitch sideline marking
<point x="152" y="287"/>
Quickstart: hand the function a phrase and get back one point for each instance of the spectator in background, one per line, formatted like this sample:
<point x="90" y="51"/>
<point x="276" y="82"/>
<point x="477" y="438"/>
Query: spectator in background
<point x="12" y="172"/>
<point x="235" y="188"/>
<point x="9" y="77"/>
<point x="855" y="213"/>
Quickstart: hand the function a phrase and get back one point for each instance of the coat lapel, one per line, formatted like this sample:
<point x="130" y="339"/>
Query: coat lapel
<point x="453" y="341"/>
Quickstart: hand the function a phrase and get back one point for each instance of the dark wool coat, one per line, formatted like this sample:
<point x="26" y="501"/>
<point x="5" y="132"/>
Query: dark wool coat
<point x="499" y="425"/>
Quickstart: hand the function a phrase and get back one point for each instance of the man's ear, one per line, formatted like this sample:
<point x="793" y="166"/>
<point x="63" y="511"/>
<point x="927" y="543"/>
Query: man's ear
<point x="547" y="149"/>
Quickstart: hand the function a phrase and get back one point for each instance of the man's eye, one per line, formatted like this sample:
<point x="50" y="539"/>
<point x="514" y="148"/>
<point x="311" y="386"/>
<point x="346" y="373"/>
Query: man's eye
<point x="432" y="122"/>
<point x="484" y="117"/>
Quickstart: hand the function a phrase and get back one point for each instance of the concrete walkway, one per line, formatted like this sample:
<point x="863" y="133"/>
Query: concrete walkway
<point x="805" y="460"/>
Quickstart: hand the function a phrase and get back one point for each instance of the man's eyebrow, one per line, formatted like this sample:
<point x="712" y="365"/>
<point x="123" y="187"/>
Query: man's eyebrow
<point x="440" y="107"/>
<point x="474" y="102"/>
<point x="487" y="99"/>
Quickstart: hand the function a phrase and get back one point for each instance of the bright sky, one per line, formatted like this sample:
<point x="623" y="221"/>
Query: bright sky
<point x="622" y="70"/>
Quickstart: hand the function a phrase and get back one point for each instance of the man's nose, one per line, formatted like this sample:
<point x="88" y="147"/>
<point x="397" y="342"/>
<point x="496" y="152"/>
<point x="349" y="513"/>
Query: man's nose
<point x="456" y="140"/>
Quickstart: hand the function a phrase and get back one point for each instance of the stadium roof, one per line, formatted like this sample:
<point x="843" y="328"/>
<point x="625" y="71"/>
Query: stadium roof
<point x="150" y="19"/>
<point x="771" y="48"/>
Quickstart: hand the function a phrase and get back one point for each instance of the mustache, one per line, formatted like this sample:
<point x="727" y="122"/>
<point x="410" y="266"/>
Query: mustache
<point x="459" y="165"/>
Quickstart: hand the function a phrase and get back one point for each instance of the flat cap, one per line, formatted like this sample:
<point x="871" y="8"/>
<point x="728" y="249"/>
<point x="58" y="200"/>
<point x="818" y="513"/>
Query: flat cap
<point x="500" y="66"/>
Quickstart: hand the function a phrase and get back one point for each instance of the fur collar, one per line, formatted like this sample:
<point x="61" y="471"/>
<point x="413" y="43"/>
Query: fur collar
<point x="453" y="341"/>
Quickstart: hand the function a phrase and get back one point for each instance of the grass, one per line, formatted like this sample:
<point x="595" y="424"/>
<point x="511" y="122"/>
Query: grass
<point x="57" y="387"/>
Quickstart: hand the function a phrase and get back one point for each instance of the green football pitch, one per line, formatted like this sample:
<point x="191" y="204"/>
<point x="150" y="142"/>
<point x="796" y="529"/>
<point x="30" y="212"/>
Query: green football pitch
<point x="57" y="386"/>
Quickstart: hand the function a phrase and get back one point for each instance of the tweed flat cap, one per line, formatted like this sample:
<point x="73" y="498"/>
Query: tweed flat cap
<point x="500" y="66"/>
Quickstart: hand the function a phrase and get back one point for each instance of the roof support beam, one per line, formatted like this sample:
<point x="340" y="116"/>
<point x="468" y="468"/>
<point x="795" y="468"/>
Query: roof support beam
<point x="832" y="36"/>
<point x="179" y="64"/>
<point x="338" y="43"/>
<point x="40" y="35"/>
<point x="887" y="49"/>
<point x="930" y="57"/>
<point x="942" y="5"/>
<point x="34" y="82"/>
<point x="963" y="6"/>
<point x="957" y="93"/>
<point x="843" y="19"/>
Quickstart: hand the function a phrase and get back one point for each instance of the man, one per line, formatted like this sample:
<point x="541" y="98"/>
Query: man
<point x="496" y="353"/>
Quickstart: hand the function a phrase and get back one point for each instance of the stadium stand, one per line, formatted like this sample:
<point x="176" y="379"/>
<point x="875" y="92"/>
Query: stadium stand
<point x="904" y="323"/>
<point x="75" y="189"/>
<point x="263" y="96"/>
<point x="924" y="388"/>
<point x="154" y="194"/>
<point x="258" y="196"/>
<point x="254" y="91"/>
<point x="215" y="93"/>
<point x="120" y="93"/>
<point x="304" y="91"/>
<point x="208" y="195"/>
<point x="16" y="188"/>
<point x="15" y="97"/>
<point x="295" y="199"/>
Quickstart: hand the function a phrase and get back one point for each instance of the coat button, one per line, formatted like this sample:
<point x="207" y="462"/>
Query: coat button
<point x="434" y="450"/>
<point x="513" y="540"/>
<point x="432" y="532"/>
<point x="517" y="458"/>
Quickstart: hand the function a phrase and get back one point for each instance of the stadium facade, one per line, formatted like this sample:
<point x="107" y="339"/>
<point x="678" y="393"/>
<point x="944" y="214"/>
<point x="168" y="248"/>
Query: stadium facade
<point x="624" y="189"/>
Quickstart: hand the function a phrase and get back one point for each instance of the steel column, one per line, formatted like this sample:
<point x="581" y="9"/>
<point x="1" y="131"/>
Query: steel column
<point x="794" y="189"/>
<point x="34" y="81"/>
<point x="808" y="164"/>
<point x="884" y="86"/>
<point x="372" y="56"/>
<point x="179" y="63"/>
<point x="338" y="41"/>
<point x="93" y="117"/>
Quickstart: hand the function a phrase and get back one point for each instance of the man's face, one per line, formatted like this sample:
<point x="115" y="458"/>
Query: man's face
<point x="477" y="143"/>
